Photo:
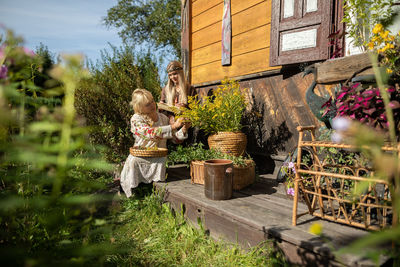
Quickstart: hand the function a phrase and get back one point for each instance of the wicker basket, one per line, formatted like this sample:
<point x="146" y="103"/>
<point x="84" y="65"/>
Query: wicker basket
<point x="233" y="143"/>
<point x="242" y="176"/>
<point x="197" y="172"/>
<point x="148" y="153"/>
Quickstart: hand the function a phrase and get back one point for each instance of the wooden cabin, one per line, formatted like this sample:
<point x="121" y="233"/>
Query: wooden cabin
<point x="271" y="41"/>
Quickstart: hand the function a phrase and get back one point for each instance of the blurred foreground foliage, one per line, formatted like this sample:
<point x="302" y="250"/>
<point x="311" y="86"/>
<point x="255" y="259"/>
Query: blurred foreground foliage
<point x="386" y="167"/>
<point x="48" y="212"/>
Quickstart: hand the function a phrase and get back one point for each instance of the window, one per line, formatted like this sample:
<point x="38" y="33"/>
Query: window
<point x="300" y="30"/>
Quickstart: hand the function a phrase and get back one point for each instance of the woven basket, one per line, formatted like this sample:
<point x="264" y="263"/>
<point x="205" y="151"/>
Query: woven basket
<point x="145" y="153"/>
<point x="197" y="172"/>
<point x="233" y="143"/>
<point x="242" y="176"/>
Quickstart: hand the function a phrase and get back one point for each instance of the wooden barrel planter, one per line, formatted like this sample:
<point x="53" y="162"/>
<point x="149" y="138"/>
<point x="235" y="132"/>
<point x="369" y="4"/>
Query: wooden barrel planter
<point x="242" y="175"/>
<point x="233" y="143"/>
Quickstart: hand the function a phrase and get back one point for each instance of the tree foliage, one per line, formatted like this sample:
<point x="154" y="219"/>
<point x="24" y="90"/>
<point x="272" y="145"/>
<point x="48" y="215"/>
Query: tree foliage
<point x="153" y="21"/>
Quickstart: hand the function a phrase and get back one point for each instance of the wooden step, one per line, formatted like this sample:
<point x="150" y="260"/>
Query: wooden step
<point x="260" y="212"/>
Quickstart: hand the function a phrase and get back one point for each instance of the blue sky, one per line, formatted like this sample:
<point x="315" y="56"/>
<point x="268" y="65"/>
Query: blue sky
<point x="64" y="26"/>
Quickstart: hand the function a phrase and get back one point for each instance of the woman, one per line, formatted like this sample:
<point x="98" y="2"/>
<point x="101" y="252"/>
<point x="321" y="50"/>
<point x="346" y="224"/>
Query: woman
<point x="177" y="90"/>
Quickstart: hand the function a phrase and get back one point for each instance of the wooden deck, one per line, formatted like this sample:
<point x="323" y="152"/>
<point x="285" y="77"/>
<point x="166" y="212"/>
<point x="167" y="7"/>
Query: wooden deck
<point x="259" y="212"/>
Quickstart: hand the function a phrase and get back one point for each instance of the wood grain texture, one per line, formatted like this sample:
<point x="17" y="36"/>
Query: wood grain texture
<point x="341" y="69"/>
<point x="246" y="20"/>
<point x="251" y="18"/>
<point x="208" y="17"/>
<point x="250" y="218"/>
<point x="253" y="62"/>
<point x="250" y="35"/>
<point x="243" y="43"/>
<point x="240" y="5"/>
<point x="201" y="6"/>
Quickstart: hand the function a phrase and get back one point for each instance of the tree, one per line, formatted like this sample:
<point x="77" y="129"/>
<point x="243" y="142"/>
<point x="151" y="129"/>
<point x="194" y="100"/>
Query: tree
<point x="153" y="21"/>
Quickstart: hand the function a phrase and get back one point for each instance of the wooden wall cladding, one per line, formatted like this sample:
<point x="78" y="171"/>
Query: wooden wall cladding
<point x="251" y="22"/>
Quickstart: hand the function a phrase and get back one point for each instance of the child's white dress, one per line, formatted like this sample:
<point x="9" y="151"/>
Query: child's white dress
<point x="147" y="170"/>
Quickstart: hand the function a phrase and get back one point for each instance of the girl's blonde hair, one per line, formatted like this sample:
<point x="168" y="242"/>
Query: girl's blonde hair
<point x="140" y="98"/>
<point x="170" y="89"/>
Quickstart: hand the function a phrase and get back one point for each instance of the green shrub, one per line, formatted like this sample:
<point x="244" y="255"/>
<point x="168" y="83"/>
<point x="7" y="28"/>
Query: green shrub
<point x="103" y="100"/>
<point x="196" y="152"/>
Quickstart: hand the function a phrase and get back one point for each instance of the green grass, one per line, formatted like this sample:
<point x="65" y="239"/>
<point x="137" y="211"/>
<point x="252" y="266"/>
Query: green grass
<point x="154" y="235"/>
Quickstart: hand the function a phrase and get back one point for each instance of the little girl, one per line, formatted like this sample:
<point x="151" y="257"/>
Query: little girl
<point x="150" y="129"/>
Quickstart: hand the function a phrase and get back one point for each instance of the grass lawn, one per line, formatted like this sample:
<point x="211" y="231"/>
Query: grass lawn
<point x="151" y="234"/>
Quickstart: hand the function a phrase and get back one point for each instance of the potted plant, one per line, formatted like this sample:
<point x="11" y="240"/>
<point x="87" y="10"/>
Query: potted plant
<point x="220" y="115"/>
<point x="195" y="155"/>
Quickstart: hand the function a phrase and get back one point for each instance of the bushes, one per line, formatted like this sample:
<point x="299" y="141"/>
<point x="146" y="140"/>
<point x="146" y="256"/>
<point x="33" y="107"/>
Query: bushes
<point x="103" y="100"/>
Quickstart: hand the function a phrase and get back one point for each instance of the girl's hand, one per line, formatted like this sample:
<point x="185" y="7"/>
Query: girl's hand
<point x="186" y="126"/>
<point x="180" y="105"/>
<point x="178" y="123"/>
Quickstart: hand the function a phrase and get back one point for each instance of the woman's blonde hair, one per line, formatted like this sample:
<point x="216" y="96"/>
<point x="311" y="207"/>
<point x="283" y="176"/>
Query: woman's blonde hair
<point x="140" y="98"/>
<point x="170" y="89"/>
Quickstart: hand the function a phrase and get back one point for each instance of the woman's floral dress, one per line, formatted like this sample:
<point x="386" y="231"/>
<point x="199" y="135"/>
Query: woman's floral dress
<point x="147" y="170"/>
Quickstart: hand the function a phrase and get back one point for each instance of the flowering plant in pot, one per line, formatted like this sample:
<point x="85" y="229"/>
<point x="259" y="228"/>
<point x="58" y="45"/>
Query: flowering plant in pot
<point x="220" y="115"/>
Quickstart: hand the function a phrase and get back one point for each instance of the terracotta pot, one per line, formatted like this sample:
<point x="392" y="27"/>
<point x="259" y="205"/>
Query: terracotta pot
<point x="218" y="179"/>
<point x="233" y="143"/>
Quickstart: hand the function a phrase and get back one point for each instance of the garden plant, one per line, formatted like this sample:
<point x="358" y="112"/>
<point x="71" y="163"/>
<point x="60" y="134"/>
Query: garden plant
<point x="220" y="112"/>
<point x="56" y="204"/>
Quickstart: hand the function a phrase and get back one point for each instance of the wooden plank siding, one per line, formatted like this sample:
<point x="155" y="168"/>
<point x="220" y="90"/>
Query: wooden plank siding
<point x="251" y="22"/>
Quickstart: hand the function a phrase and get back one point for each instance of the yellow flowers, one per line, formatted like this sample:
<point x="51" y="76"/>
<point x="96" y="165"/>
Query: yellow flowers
<point x="316" y="229"/>
<point x="388" y="46"/>
<point x="222" y="111"/>
<point x="377" y="29"/>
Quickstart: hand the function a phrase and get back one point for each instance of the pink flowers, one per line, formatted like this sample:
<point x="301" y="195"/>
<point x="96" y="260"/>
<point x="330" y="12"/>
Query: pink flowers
<point x="28" y="52"/>
<point x="3" y="71"/>
<point x="290" y="191"/>
<point x="364" y="104"/>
